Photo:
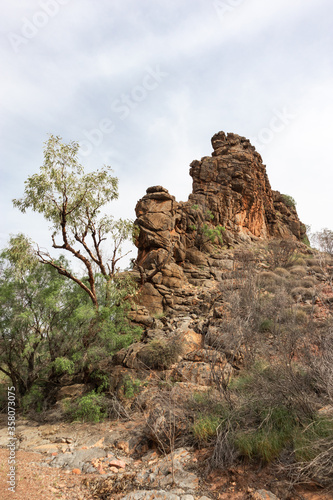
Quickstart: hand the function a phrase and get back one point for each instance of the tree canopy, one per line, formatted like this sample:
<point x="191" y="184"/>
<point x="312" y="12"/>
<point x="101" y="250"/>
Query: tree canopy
<point x="72" y="201"/>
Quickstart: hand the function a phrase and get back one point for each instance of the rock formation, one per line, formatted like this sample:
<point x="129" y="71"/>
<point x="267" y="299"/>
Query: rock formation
<point x="231" y="202"/>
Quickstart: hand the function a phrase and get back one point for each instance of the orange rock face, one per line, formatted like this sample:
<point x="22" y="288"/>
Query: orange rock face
<point x="231" y="190"/>
<point x="233" y="185"/>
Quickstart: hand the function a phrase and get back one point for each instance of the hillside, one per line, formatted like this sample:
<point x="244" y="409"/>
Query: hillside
<point x="228" y="393"/>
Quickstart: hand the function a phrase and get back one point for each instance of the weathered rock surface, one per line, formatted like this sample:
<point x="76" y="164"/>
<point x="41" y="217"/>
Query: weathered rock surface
<point x="231" y="202"/>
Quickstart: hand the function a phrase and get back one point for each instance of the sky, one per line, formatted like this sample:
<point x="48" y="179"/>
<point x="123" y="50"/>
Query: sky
<point x="143" y="85"/>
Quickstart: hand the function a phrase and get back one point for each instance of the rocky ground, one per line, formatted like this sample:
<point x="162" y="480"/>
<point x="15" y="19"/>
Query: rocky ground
<point x="111" y="460"/>
<point x="132" y="457"/>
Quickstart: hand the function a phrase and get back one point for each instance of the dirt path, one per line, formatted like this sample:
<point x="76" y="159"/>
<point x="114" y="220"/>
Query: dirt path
<point x="35" y="482"/>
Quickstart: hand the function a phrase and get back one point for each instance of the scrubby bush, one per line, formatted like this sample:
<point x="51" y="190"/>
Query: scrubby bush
<point x="207" y="413"/>
<point x="268" y="440"/>
<point x="88" y="408"/>
<point x="303" y="293"/>
<point x="308" y="282"/>
<point x="280" y="253"/>
<point x="267" y="325"/>
<point x="298" y="271"/>
<point x="33" y="400"/>
<point x="160" y="354"/>
<point x="317" y="269"/>
<point x="281" y="271"/>
<point x="131" y="387"/>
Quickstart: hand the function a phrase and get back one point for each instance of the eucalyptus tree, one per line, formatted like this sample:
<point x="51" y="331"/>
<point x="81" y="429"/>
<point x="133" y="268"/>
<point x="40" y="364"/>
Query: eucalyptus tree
<point x="72" y="201"/>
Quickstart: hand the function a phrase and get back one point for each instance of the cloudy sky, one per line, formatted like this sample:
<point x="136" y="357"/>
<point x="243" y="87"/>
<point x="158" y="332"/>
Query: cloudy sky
<point x="144" y="85"/>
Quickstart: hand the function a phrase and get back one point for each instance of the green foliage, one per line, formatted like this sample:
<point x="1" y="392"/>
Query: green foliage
<point x="88" y="408"/>
<point x="62" y="174"/>
<point x="3" y="397"/>
<point x="275" y="429"/>
<point x="306" y="241"/>
<point x="247" y="378"/>
<point x="72" y="201"/>
<point x="308" y="437"/>
<point x="33" y="399"/>
<point x="131" y="387"/>
<point x="213" y="233"/>
<point x="208" y="414"/>
<point x="209" y="215"/>
<point x="64" y="365"/>
<point x="204" y="428"/>
<point x="202" y="225"/>
<point x="48" y="326"/>
<point x="135" y="233"/>
<point x="36" y="310"/>
<point x="203" y="402"/>
<point x="289" y="201"/>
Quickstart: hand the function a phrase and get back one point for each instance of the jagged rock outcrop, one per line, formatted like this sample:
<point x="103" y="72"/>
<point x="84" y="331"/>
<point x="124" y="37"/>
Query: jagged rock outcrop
<point x="231" y="202"/>
<point x="233" y="185"/>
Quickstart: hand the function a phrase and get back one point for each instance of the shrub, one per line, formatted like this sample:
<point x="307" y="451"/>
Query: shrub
<point x="281" y="271"/>
<point x="306" y="439"/>
<point x="299" y="261"/>
<point x="298" y="271"/>
<point x="64" y="365"/>
<point x="313" y="451"/>
<point x="317" y="269"/>
<point x="3" y="398"/>
<point x="131" y="387"/>
<point x="268" y="277"/>
<point x="288" y="200"/>
<point x="214" y="234"/>
<point x="304" y="293"/>
<point x="308" y="282"/>
<point x="280" y="253"/>
<point x="313" y="261"/>
<point x="160" y="354"/>
<point x="88" y="408"/>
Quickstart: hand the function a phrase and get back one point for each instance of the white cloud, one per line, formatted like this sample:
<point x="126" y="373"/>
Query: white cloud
<point x="229" y="74"/>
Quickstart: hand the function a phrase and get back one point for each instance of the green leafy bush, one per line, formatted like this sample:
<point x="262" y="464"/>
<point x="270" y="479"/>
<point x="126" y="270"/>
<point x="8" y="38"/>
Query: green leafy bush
<point x="308" y="437"/>
<point x="88" y="408"/>
<point x="214" y="234"/>
<point x="131" y="387"/>
<point x="64" y="365"/>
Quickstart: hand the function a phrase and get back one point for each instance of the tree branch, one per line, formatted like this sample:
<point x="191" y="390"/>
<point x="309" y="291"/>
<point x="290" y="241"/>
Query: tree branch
<point x="61" y="270"/>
